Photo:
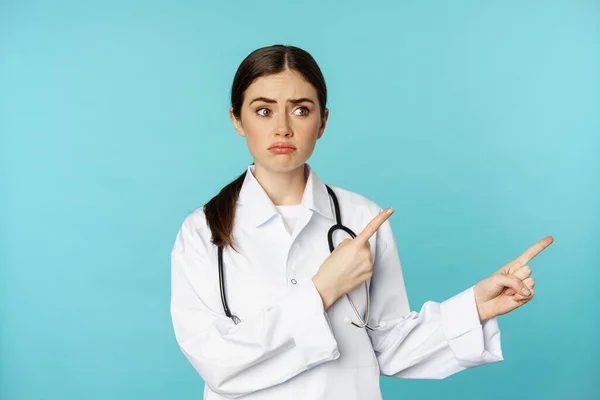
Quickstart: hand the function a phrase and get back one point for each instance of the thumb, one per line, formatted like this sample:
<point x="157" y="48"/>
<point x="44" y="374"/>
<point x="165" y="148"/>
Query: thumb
<point x="511" y="281"/>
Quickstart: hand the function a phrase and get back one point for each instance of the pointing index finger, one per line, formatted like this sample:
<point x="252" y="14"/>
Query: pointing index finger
<point x="372" y="226"/>
<point x="534" y="250"/>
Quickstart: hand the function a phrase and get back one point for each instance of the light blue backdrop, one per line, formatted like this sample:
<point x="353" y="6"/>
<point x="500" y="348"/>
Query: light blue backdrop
<point x="479" y="122"/>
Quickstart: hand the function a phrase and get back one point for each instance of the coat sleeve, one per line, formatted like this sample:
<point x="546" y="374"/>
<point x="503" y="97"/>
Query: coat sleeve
<point x="264" y="350"/>
<point x="439" y="340"/>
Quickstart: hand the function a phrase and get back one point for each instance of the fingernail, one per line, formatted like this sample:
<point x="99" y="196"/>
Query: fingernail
<point x="389" y="211"/>
<point x="525" y="291"/>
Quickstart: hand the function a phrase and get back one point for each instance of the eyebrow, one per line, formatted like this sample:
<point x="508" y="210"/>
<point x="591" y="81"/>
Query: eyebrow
<point x="293" y="101"/>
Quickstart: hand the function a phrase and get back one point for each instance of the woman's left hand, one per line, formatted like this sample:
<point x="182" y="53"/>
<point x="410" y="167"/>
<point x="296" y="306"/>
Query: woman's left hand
<point x="510" y="287"/>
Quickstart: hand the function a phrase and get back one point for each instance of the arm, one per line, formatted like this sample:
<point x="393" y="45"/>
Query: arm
<point x="264" y="350"/>
<point x="440" y="340"/>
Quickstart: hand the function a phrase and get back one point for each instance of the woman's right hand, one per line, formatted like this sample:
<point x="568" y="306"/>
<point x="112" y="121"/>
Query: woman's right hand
<point x="349" y="264"/>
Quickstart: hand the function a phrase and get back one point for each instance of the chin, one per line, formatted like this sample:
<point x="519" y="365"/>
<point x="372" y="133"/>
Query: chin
<point x="282" y="164"/>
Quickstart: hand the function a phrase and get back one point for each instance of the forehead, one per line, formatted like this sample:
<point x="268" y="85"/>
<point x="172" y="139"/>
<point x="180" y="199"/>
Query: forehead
<point x="286" y="84"/>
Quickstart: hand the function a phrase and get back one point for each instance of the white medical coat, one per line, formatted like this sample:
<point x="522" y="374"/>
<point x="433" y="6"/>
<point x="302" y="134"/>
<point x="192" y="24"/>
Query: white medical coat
<point x="287" y="346"/>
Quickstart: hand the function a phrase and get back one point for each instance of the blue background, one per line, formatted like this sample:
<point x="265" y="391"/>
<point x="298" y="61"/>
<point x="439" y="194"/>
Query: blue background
<point x="479" y="122"/>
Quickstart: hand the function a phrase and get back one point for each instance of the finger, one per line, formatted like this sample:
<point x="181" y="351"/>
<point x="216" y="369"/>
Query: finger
<point x="523" y="273"/>
<point x="368" y="245"/>
<point x="529" y="282"/>
<point x="534" y="250"/>
<point x="510" y="281"/>
<point x="372" y="226"/>
<point x="523" y="299"/>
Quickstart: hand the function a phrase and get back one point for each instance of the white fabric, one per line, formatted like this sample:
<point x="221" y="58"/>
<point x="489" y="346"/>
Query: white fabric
<point x="286" y="346"/>
<point x="289" y="213"/>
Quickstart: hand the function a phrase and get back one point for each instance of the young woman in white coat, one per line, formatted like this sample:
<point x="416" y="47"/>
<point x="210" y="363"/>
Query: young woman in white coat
<point x="284" y="318"/>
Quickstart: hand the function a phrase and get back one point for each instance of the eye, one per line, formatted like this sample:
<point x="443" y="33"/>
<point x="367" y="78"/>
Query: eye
<point x="304" y="109"/>
<point x="263" y="109"/>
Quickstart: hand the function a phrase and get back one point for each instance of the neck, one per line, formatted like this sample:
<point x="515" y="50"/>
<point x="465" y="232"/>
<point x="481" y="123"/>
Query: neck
<point x="283" y="188"/>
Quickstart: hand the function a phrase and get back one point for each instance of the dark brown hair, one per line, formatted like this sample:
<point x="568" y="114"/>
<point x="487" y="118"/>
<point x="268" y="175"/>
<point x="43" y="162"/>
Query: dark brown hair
<point x="220" y="210"/>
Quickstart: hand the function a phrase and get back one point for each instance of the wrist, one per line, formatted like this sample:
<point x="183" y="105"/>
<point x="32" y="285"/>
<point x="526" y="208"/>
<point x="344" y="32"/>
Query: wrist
<point x="327" y="296"/>
<point x="482" y="311"/>
<point x="480" y="305"/>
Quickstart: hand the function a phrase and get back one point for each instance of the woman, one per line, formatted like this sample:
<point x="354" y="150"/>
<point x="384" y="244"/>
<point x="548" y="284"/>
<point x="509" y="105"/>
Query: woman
<point x="279" y="325"/>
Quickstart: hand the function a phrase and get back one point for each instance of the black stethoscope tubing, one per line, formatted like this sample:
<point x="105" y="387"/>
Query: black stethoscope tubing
<point x="338" y="225"/>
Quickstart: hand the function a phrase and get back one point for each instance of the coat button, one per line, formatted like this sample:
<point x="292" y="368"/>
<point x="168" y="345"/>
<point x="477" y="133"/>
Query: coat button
<point x="294" y="281"/>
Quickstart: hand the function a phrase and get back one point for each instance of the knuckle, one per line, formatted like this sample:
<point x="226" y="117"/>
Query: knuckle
<point x="356" y="241"/>
<point x="364" y="252"/>
<point x="366" y="266"/>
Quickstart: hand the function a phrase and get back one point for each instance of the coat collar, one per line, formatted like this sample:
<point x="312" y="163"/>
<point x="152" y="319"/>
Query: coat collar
<point x="259" y="208"/>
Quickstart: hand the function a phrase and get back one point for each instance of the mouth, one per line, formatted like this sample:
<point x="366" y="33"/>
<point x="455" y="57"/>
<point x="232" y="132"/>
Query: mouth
<point x="282" y="148"/>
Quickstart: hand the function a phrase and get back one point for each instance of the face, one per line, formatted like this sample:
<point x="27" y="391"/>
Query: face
<point x="281" y="109"/>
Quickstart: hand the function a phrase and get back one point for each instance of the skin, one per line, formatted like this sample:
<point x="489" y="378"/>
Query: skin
<point x="283" y="177"/>
<point x="263" y="124"/>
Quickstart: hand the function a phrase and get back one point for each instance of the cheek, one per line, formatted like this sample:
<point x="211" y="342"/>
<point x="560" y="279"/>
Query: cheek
<point x="257" y="133"/>
<point x="306" y="127"/>
<point x="254" y="128"/>
<point x="257" y="137"/>
<point x="310" y="146"/>
<point x="308" y="132"/>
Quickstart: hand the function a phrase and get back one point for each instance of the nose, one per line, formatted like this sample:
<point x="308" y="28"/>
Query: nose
<point x="283" y="127"/>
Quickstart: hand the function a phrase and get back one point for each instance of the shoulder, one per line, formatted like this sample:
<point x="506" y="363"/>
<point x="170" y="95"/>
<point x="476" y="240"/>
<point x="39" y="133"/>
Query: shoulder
<point x="196" y="219"/>
<point x="194" y="231"/>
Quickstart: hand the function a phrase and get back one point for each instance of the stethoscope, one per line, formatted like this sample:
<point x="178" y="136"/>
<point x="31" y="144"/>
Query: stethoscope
<point x="338" y="225"/>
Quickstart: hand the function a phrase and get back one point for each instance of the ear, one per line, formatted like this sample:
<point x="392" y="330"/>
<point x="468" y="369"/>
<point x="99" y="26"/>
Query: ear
<point x="323" y="123"/>
<point x="237" y="123"/>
